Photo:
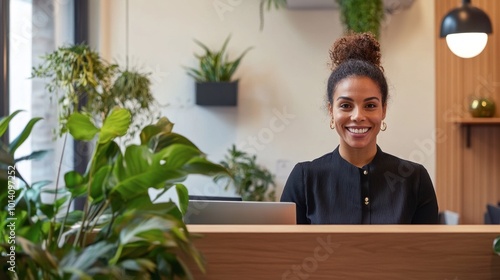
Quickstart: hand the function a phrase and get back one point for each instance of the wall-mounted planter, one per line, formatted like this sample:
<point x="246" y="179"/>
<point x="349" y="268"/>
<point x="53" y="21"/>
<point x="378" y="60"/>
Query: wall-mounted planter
<point x="217" y="93"/>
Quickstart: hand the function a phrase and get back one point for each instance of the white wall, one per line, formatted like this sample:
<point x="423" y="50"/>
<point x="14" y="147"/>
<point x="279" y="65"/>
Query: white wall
<point x="285" y="72"/>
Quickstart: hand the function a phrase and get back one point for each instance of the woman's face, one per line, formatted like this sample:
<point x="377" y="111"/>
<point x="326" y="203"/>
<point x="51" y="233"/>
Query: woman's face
<point x="357" y="111"/>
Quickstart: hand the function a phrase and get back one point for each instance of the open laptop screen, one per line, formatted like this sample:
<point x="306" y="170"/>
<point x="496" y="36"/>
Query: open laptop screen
<point x="240" y="212"/>
<point x="222" y="198"/>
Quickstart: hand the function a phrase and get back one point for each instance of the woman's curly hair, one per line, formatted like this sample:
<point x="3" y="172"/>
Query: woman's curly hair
<point x="361" y="46"/>
<point x="356" y="54"/>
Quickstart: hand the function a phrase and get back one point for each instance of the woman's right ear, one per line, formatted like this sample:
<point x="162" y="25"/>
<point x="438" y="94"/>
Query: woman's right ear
<point x="330" y="107"/>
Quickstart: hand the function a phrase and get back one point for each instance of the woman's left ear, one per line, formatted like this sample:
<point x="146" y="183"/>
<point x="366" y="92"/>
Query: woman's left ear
<point x="384" y="110"/>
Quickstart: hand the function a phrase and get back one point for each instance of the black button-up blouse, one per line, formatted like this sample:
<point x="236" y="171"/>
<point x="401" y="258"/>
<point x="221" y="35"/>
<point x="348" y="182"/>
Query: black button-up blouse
<point x="389" y="190"/>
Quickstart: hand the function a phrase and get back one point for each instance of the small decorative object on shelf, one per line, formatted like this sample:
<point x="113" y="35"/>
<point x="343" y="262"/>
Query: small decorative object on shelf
<point x="496" y="245"/>
<point x="481" y="107"/>
<point x="214" y="76"/>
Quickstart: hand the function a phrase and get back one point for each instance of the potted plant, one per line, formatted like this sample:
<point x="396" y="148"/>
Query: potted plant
<point x="122" y="231"/>
<point x="362" y="16"/>
<point x="214" y="76"/>
<point x="252" y="181"/>
<point x="81" y="80"/>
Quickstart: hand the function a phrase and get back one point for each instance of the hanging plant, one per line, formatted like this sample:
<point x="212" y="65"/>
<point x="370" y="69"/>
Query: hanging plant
<point x="361" y="15"/>
<point x="269" y="4"/>
<point x="82" y="81"/>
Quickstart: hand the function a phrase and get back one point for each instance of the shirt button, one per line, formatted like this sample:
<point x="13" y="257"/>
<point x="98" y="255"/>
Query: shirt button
<point x="365" y="172"/>
<point x="367" y="201"/>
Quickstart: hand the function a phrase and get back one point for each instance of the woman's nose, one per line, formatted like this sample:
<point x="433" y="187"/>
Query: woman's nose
<point x="357" y="114"/>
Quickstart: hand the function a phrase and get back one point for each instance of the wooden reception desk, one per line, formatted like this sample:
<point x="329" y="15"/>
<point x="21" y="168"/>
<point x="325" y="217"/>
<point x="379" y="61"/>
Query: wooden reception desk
<point x="347" y="252"/>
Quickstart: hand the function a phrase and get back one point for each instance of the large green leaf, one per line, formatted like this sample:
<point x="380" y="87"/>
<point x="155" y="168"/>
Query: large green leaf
<point x="34" y="155"/>
<point x="136" y="172"/>
<point x="115" y="125"/>
<point x="162" y="127"/>
<point x="170" y="139"/>
<point x="139" y="183"/>
<point x="137" y="159"/>
<point x="4" y="122"/>
<point x="175" y="156"/>
<point x="75" y="183"/>
<point x="98" y="184"/>
<point x="73" y="179"/>
<point x="80" y="126"/>
<point x="105" y="154"/>
<point x="23" y="136"/>
<point x="183" y="195"/>
<point x="204" y="167"/>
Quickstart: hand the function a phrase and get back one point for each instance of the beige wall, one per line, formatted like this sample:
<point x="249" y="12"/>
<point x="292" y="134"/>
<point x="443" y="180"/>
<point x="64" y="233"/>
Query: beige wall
<point x="285" y="72"/>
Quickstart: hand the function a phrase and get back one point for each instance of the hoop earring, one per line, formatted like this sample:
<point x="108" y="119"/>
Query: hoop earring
<point x="383" y="126"/>
<point x="332" y="124"/>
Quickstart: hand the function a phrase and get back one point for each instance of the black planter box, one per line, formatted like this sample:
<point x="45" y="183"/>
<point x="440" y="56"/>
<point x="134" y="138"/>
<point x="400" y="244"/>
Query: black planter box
<point x="217" y="93"/>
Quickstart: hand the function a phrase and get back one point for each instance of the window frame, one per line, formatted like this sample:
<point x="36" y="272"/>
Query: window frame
<point x="4" y="61"/>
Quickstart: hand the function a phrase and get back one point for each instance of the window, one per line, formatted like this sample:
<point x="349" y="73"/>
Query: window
<point x="37" y="27"/>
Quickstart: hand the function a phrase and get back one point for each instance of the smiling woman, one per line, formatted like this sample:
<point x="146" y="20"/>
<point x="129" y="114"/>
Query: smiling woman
<point x="358" y="183"/>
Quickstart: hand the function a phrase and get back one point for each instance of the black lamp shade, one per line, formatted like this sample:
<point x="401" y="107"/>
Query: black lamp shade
<point x="465" y="19"/>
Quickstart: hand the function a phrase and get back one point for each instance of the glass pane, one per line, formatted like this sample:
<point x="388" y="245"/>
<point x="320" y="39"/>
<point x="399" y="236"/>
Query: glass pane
<point x="19" y="72"/>
<point x="37" y="27"/>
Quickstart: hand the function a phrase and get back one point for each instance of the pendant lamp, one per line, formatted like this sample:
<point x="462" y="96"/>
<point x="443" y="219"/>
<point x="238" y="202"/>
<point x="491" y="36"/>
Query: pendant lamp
<point x="466" y="29"/>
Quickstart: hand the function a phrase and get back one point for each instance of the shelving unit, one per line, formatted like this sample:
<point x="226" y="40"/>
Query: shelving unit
<point x="468" y="122"/>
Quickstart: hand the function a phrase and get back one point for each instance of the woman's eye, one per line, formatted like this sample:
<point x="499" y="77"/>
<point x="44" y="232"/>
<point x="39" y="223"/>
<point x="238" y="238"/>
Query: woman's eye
<point x="345" y="106"/>
<point x="371" y="106"/>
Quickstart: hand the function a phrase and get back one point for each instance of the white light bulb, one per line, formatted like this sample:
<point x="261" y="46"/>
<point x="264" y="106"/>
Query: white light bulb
<point x="467" y="45"/>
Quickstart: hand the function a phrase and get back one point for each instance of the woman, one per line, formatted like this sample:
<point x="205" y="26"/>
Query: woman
<point x="358" y="183"/>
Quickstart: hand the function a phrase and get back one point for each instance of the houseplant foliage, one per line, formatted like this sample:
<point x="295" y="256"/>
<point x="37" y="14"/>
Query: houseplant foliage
<point x="252" y="181"/>
<point x="362" y="16"/>
<point x="81" y="80"/>
<point x="215" y="66"/>
<point x="7" y="151"/>
<point x="122" y="233"/>
<point x="268" y="5"/>
<point x="214" y="76"/>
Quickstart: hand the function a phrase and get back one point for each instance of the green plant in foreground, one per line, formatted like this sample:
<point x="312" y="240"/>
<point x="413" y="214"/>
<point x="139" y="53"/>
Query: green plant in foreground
<point x="215" y="66"/>
<point x="252" y="181"/>
<point x="122" y="232"/>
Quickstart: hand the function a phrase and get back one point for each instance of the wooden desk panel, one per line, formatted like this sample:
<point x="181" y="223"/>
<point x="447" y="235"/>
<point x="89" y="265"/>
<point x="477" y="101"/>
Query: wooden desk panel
<point x="347" y="252"/>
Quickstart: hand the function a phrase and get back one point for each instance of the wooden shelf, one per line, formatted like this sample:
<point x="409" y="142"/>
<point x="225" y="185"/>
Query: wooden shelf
<point x="476" y="121"/>
<point x="468" y="122"/>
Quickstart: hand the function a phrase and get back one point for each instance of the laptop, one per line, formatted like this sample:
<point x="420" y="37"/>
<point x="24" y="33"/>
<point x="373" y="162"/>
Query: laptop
<point x="240" y="212"/>
<point x="206" y="197"/>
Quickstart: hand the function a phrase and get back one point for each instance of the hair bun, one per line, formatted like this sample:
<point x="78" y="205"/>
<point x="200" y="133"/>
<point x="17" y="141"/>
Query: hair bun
<point x="360" y="46"/>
